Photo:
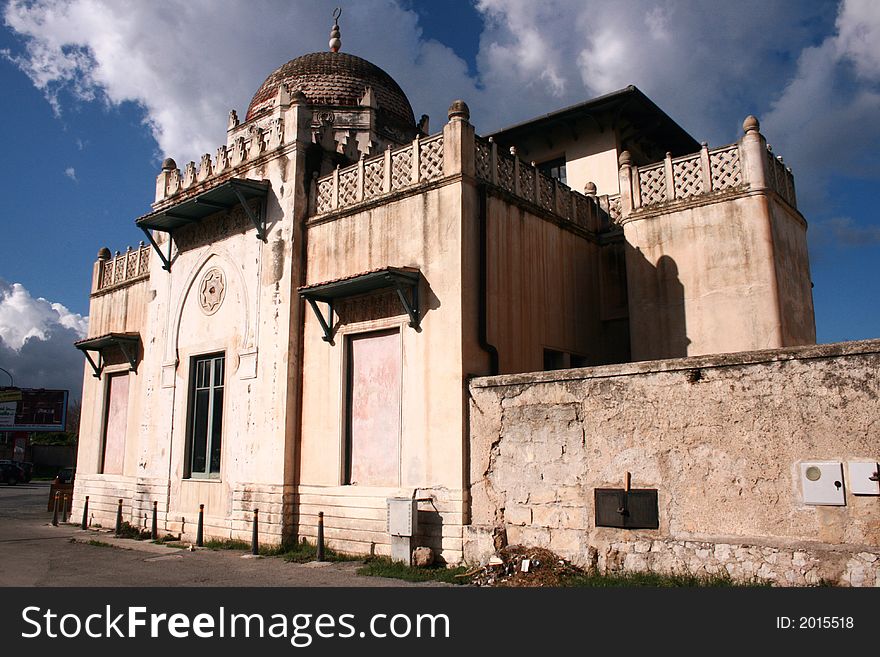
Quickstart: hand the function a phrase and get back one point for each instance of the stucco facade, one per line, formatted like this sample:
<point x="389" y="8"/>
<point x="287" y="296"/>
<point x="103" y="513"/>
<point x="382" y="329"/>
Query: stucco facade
<point x="317" y="294"/>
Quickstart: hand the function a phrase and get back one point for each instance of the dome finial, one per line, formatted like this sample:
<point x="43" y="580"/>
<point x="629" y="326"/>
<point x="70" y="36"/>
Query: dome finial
<point x="335" y="41"/>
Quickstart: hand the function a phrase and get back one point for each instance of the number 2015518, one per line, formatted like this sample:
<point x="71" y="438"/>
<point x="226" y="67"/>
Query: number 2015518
<point x="815" y="622"/>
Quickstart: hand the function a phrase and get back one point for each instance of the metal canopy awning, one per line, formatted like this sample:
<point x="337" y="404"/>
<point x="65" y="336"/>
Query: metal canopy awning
<point x="399" y="279"/>
<point x="128" y="343"/>
<point x="191" y="210"/>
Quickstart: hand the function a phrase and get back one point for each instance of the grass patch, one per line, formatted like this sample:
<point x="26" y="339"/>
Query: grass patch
<point x="385" y="567"/>
<point x="304" y="551"/>
<point x="595" y="580"/>
<point x="127" y="530"/>
<point x="226" y="544"/>
<point x="99" y="543"/>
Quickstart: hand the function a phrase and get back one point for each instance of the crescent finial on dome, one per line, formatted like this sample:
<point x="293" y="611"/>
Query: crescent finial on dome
<point x="335" y="40"/>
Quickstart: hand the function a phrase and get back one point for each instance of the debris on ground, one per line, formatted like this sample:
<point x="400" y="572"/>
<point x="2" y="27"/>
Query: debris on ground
<point x="516" y="565"/>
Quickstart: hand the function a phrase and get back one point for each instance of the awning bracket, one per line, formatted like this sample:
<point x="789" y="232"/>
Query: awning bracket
<point x="410" y="305"/>
<point x="129" y="356"/>
<point x="326" y="324"/>
<point x="166" y="260"/>
<point x="256" y="219"/>
<point x="96" y="367"/>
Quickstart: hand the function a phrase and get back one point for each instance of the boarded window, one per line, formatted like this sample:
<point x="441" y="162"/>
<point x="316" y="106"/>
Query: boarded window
<point x="115" y="420"/>
<point x="373" y="409"/>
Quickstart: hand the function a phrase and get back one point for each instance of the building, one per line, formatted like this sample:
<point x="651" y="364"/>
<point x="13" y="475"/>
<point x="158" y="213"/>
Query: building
<point x="300" y="332"/>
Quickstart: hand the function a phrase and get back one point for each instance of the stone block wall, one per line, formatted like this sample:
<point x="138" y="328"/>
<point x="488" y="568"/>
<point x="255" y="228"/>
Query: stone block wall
<point x="721" y="438"/>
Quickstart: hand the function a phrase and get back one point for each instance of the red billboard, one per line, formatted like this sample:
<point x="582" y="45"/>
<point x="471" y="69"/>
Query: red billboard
<point x="31" y="409"/>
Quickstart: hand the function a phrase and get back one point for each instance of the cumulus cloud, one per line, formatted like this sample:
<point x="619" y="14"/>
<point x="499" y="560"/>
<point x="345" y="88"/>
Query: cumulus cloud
<point x="843" y="231"/>
<point x="825" y="120"/>
<point x="36" y="340"/>
<point x="810" y="70"/>
<point x="187" y="63"/>
<point x="70" y="172"/>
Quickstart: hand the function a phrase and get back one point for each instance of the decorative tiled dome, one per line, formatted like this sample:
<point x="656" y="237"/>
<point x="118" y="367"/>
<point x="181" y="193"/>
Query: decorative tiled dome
<point x="335" y="79"/>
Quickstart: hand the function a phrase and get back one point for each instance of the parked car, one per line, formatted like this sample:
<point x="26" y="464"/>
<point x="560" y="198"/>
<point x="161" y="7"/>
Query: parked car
<point x="65" y="476"/>
<point x="28" y="469"/>
<point x="11" y="473"/>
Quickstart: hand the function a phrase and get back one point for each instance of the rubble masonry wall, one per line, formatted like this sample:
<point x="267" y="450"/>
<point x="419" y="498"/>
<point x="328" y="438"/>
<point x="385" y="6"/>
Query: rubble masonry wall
<point x="721" y="438"/>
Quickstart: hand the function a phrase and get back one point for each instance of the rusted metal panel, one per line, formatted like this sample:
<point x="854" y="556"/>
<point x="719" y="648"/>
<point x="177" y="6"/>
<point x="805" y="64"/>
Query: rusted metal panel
<point x="374" y="378"/>
<point x="633" y="509"/>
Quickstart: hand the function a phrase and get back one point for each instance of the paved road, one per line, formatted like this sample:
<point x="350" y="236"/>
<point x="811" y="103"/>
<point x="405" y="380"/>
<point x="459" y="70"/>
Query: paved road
<point x="34" y="553"/>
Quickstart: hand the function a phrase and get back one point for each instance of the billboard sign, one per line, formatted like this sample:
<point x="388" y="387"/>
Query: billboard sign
<point x="31" y="409"/>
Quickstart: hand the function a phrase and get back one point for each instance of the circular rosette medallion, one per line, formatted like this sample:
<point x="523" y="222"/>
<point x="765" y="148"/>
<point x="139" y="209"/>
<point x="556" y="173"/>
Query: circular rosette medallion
<point x="212" y="289"/>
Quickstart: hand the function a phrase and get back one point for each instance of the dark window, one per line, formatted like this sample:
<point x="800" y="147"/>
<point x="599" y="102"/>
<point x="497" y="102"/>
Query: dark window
<point x="206" y="416"/>
<point x="554" y="360"/>
<point x="554" y="169"/>
<point x="562" y="360"/>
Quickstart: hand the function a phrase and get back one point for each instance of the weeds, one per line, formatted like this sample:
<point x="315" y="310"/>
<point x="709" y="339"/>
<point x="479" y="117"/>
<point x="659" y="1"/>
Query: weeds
<point x="385" y="567"/>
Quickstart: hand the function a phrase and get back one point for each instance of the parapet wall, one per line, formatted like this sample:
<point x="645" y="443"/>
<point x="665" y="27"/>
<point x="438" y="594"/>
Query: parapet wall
<point x="721" y="439"/>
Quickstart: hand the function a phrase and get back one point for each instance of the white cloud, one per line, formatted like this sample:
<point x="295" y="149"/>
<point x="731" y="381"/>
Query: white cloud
<point x="707" y="64"/>
<point x="70" y="172"/>
<point x="825" y="119"/>
<point x="188" y="62"/>
<point x="23" y="317"/>
<point x="36" y="340"/>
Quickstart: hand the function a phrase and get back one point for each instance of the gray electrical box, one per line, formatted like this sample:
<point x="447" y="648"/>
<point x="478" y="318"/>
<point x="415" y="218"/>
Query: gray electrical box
<point x="822" y="483"/>
<point x="403" y="513"/>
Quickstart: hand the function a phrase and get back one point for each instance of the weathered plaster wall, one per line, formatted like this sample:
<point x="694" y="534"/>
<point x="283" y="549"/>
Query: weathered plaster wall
<point x="543" y="289"/>
<point x="702" y="278"/>
<point x="721" y="439"/>
<point x="252" y="326"/>
<point x="590" y="154"/>
<point x="793" y="275"/>
<point x="427" y="236"/>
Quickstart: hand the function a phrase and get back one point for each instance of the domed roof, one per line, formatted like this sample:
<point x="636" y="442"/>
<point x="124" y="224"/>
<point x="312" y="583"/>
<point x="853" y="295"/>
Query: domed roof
<point x="334" y="78"/>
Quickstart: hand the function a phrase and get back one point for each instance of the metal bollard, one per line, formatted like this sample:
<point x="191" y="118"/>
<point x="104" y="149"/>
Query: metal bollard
<point x="55" y="509"/>
<point x="119" y="518"/>
<point x="64" y="507"/>
<point x="154" y="531"/>
<point x="200" y="529"/>
<point x="85" y="521"/>
<point x="320" y="555"/>
<point x="255" y="541"/>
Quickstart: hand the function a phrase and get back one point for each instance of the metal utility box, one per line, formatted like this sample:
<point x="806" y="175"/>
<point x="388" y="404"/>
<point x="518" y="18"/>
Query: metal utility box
<point x="863" y="478"/>
<point x="632" y="509"/>
<point x="822" y="483"/>
<point x="403" y="514"/>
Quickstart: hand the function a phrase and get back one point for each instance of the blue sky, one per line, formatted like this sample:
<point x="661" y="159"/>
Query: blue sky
<point x="98" y="92"/>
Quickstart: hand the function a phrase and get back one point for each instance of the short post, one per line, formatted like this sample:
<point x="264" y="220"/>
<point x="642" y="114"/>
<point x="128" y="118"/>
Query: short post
<point x="119" y="518"/>
<point x="255" y="542"/>
<point x="320" y="556"/>
<point x="64" y="507"/>
<point x="200" y="529"/>
<point x="55" y="509"/>
<point x="85" y="519"/>
<point x="154" y="531"/>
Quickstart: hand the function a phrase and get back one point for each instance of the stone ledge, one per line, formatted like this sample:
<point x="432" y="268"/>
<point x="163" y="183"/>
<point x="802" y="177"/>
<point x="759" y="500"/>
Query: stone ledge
<point x="808" y="352"/>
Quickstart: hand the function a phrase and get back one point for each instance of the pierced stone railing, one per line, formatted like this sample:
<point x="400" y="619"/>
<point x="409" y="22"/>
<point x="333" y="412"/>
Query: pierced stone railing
<point x="747" y="164"/>
<point x="258" y="141"/>
<point x="123" y="268"/>
<point x="372" y="177"/>
<point x="525" y="181"/>
<point x="781" y="179"/>
<point x="689" y="176"/>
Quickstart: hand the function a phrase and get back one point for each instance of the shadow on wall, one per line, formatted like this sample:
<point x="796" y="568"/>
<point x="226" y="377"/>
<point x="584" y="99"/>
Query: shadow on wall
<point x="658" y="323"/>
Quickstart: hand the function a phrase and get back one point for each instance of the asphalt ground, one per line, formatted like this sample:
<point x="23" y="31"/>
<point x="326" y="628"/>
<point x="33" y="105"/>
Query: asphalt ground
<point x="33" y="552"/>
